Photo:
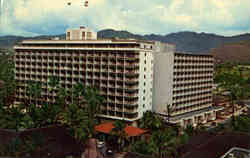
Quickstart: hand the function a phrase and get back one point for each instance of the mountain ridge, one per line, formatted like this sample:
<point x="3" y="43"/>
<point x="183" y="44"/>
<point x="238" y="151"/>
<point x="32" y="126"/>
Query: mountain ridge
<point x="185" y="41"/>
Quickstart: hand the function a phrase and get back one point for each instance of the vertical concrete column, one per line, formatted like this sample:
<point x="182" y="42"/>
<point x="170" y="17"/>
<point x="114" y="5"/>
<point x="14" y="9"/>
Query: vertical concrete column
<point x="181" y="123"/>
<point x="194" y="121"/>
<point x="204" y="120"/>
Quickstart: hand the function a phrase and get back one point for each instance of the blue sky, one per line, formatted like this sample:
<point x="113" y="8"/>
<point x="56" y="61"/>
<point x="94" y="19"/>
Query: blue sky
<point x="36" y="17"/>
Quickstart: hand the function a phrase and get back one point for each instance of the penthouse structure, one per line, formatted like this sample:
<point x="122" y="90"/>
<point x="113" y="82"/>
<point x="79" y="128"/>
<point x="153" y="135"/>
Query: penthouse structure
<point x="183" y="87"/>
<point x="121" y="69"/>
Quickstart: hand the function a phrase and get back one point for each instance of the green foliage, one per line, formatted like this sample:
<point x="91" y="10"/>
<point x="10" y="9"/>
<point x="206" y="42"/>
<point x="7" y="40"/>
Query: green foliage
<point x="184" y="138"/>
<point x="7" y="79"/>
<point x="189" y="130"/>
<point x="230" y="79"/>
<point x="34" y="89"/>
<point x="242" y="124"/>
<point x="20" y="146"/>
<point x="77" y="120"/>
<point x="119" y="132"/>
<point x="142" y="147"/>
<point x="163" y="142"/>
<point x="151" y="121"/>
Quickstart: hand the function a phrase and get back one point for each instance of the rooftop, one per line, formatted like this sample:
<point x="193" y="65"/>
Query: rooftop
<point x="130" y="130"/>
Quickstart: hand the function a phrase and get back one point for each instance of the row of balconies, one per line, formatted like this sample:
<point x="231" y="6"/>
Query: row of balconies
<point x="193" y="80"/>
<point x="192" y="66"/>
<point x="65" y="71"/>
<point x="194" y="70"/>
<point x="193" y="61"/>
<point x="193" y="93"/>
<point x="193" y="76"/>
<point x="190" y="57"/>
<point x="112" y="62"/>
<point x="191" y="102"/>
<point x="115" y="65"/>
<point x="123" y="115"/>
<point x="190" y="109"/>
<point x="192" y="84"/>
<point x="122" y="110"/>
<point x="120" y="54"/>
<point x="190" y="97"/>
<point x="192" y="73"/>
<point x="192" y="87"/>
<point x="196" y="64"/>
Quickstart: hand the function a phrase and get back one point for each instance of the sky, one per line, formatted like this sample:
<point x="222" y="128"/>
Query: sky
<point x="42" y="17"/>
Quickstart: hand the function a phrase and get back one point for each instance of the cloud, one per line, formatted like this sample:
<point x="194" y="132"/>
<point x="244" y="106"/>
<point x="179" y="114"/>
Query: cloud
<point x="32" y="17"/>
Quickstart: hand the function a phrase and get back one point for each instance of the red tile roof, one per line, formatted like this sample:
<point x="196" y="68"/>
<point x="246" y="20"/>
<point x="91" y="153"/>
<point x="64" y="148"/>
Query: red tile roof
<point x="105" y="127"/>
<point x="130" y="130"/>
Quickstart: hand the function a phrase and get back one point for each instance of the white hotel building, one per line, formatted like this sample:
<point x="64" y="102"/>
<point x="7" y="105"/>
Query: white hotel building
<point x="134" y="76"/>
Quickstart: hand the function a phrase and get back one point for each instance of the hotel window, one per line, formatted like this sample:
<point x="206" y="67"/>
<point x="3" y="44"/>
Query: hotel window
<point x="68" y="34"/>
<point x="83" y="35"/>
<point x="88" y="35"/>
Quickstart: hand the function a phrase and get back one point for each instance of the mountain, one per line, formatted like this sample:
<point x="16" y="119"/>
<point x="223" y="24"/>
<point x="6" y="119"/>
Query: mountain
<point x="10" y="41"/>
<point x="234" y="52"/>
<point x="185" y="41"/>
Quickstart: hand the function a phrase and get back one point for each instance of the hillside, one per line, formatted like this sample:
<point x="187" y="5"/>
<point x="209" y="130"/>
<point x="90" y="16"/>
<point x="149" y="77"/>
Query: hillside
<point x="185" y="41"/>
<point x="234" y="52"/>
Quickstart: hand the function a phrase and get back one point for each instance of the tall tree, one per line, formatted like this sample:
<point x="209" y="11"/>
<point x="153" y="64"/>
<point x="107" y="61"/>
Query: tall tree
<point x="231" y="81"/>
<point x="119" y="132"/>
<point x="151" y="121"/>
<point x="93" y="102"/>
<point x="7" y="79"/>
<point x="163" y="142"/>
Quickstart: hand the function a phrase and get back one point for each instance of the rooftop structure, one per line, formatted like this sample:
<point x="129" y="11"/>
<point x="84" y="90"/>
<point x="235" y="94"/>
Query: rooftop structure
<point x="82" y="33"/>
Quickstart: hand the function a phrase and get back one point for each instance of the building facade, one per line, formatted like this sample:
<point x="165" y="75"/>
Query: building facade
<point x="183" y="87"/>
<point x="133" y="76"/>
<point x="121" y="69"/>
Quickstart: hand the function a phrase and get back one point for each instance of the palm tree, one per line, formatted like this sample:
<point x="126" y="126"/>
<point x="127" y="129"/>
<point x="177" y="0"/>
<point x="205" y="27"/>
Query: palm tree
<point x="169" y="111"/>
<point x="7" y="79"/>
<point x="93" y="101"/>
<point x="34" y="91"/>
<point x="78" y="93"/>
<point x="77" y="120"/>
<point x="236" y="85"/>
<point x="163" y="142"/>
<point x="119" y="132"/>
<point x="151" y="121"/>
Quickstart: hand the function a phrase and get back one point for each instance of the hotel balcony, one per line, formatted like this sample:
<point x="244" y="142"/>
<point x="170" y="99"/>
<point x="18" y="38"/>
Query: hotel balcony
<point x="134" y="110"/>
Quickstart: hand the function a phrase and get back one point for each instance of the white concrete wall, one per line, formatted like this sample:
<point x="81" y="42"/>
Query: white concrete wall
<point x="163" y="77"/>
<point x="145" y="84"/>
<point x="76" y="34"/>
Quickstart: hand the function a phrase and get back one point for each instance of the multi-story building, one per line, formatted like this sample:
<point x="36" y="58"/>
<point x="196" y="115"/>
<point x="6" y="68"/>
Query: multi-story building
<point x="134" y="76"/>
<point x="121" y="69"/>
<point x="183" y="87"/>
